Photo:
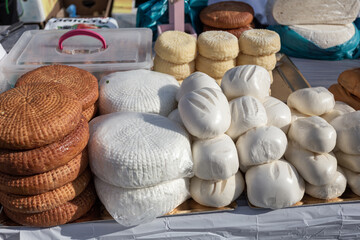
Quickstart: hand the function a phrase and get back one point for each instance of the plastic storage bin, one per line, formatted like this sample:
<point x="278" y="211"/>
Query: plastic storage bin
<point x="126" y="49"/>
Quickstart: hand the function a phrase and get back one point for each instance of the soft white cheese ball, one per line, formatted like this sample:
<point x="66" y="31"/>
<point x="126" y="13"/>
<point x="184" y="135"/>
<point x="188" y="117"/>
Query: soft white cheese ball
<point x="278" y="113"/>
<point x="340" y="108"/>
<point x="331" y="190"/>
<point x="312" y="101"/>
<point x="317" y="169"/>
<point x="205" y="113"/>
<point x="295" y="115"/>
<point x="246" y="80"/>
<point x="195" y="81"/>
<point x="348" y="161"/>
<point x="347" y="127"/>
<point x="137" y="150"/>
<point x="246" y="113"/>
<point x="215" y="158"/>
<point x="274" y="185"/>
<point x="217" y="193"/>
<point x="138" y="91"/>
<point x="261" y="145"/>
<point x="353" y="180"/>
<point x="175" y="117"/>
<point x="314" y="134"/>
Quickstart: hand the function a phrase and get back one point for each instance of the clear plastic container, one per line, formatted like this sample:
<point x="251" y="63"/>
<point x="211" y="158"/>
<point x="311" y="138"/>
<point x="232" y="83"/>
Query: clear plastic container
<point x="125" y="49"/>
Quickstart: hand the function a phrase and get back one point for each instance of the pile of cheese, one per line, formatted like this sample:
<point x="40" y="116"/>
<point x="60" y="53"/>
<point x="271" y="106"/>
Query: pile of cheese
<point x="215" y="52"/>
<point x="141" y="160"/>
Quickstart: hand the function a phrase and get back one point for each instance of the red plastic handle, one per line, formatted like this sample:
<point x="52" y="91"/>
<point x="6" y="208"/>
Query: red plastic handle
<point x="85" y="32"/>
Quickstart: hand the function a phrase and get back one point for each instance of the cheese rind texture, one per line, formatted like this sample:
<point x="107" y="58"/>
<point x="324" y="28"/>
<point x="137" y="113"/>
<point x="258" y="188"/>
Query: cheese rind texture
<point x="339" y="109"/>
<point x="217" y="194"/>
<point x="176" y="47"/>
<point x="266" y="61"/>
<point x="246" y="113"/>
<point x="205" y="113"/>
<point x="130" y="207"/>
<point x="195" y="81"/>
<point x="261" y="145"/>
<point x="215" y="159"/>
<point x="312" y="101"/>
<point x="274" y="185"/>
<point x="214" y="68"/>
<point x="278" y="113"/>
<point x="331" y="190"/>
<point x="259" y="42"/>
<point x="246" y="80"/>
<point x="314" y="134"/>
<point x="137" y="150"/>
<point x="349" y="161"/>
<point x="347" y="127"/>
<point x="218" y="45"/>
<point x="317" y="169"/>
<point x="291" y="12"/>
<point x="178" y="71"/>
<point x="138" y="91"/>
<point x="326" y="36"/>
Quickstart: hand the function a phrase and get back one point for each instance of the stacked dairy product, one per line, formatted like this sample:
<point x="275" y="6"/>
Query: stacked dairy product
<point x="312" y="140"/>
<point x="141" y="160"/>
<point x="258" y="47"/>
<point x="175" y="54"/>
<point x="325" y="24"/>
<point x="204" y="111"/>
<point x="271" y="181"/>
<point x="217" y="53"/>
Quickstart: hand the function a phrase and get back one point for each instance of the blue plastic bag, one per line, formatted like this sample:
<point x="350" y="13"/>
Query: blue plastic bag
<point x="293" y="44"/>
<point x="155" y="12"/>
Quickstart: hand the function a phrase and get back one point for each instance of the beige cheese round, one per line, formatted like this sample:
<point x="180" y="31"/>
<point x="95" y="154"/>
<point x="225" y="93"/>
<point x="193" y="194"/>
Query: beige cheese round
<point x="274" y="185"/>
<point x="331" y="190"/>
<point x="218" y="45"/>
<point x="259" y="42"/>
<point x="214" y="68"/>
<point x="217" y="193"/>
<point x="176" y="47"/>
<point x="267" y="61"/>
<point x="178" y="71"/>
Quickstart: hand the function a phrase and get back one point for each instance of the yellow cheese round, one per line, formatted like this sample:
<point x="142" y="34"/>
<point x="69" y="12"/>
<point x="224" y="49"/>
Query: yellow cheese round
<point x="259" y="42"/>
<point x="268" y="61"/>
<point x="178" y="71"/>
<point x="213" y="68"/>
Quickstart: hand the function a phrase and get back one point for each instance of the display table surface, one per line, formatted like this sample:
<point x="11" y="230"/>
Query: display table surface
<point x="331" y="221"/>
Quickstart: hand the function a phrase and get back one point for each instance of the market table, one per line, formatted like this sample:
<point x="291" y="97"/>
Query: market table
<point x="331" y="221"/>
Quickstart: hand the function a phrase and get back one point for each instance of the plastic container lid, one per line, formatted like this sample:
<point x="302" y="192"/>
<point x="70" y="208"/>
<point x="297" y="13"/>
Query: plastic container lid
<point x="126" y="49"/>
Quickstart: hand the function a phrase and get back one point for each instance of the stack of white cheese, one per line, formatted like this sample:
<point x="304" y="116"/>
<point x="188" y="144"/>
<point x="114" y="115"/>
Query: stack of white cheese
<point x="326" y="23"/>
<point x="312" y="139"/>
<point x="204" y="111"/>
<point x="142" y="160"/>
<point x="260" y="138"/>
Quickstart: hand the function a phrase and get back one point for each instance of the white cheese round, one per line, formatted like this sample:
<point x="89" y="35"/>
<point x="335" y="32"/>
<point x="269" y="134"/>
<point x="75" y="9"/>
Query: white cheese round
<point x="195" y="81"/>
<point x="295" y="115"/>
<point x="274" y="185"/>
<point x="138" y="91"/>
<point x="340" y="108"/>
<point x="246" y="113"/>
<point x="130" y="207"/>
<point x="246" y="80"/>
<point x="348" y="161"/>
<point x="205" y="113"/>
<point x="136" y="150"/>
<point x="331" y="190"/>
<point x="261" y="145"/>
<point x="313" y="134"/>
<point x="215" y="159"/>
<point x="347" y="127"/>
<point x="217" y="194"/>
<point x="317" y="169"/>
<point x="353" y="180"/>
<point x="175" y="117"/>
<point x="278" y="113"/>
<point x="312" y="101"/>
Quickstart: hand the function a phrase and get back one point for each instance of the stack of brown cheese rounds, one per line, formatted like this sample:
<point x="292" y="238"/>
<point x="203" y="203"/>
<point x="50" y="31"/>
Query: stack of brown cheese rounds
<point x="44" y="178"/>
<point x="258" y="47"/>
<point x="233" y="17"/>
<point x="217" y="53"/>
<point x="175" y="54"/>
<point x="348" y="88"/>
<point x="81" y="82"/>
